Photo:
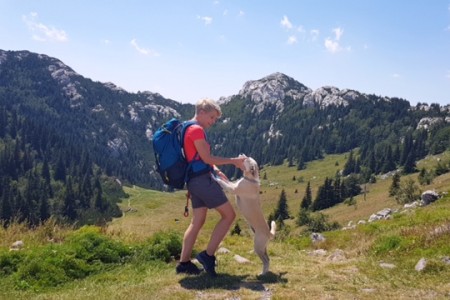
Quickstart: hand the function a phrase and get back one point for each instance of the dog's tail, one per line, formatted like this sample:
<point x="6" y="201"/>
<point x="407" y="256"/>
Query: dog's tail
<point x="273" y="228"/>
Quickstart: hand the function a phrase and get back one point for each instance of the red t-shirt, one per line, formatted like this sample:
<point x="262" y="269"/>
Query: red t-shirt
<point x="193" y="133"/>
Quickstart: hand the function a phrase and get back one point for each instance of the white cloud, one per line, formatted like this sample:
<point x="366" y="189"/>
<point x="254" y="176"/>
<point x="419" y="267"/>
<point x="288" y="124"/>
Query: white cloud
<point x="292" y="40"/>
<point x="338" y="32"/>
<point x="241" y="13"/>
<point x="314" y="34"/>
<point x="286" y="23"/>
<point x="225" y="12"/>
<point x="395" y="75"/>
<point x="105" y="41"/>
<point x="141" y="50"/>
<point x="42" y="32"/>
<point x="206" y="20"/>
<point x="448" y="75"/>
<point x="332" y="46"/>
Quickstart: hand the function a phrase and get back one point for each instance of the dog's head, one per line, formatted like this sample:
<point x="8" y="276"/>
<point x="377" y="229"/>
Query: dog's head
<point x="251" y="169"/>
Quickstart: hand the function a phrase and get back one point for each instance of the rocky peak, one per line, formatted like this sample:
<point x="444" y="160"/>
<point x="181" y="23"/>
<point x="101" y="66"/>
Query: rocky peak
<point x="114" y="87"/>
<point x="66" y="78"/>
<point x="329" y="95"/>
<point x="272" y="90"/>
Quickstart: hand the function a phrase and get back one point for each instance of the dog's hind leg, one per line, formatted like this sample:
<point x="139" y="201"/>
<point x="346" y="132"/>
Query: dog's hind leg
<point x="260" y="246"/>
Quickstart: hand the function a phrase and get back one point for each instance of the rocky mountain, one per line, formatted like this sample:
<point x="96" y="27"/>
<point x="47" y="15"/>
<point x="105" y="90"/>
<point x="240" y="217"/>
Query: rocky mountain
<point x="115" y="126"/>
<point x="273" y="118"/>
<point x="281" y="118"/>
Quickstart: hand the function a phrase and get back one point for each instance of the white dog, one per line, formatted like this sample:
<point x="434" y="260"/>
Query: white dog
<point x="246" y="191"/>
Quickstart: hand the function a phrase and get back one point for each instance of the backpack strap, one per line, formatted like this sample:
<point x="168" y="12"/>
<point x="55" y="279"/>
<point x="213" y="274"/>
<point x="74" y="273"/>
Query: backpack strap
<point x="185" y="125"/>
<point x="207" y="169"/>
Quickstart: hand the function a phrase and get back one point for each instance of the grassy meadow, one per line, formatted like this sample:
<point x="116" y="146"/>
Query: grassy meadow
<point x="346" y="267"/>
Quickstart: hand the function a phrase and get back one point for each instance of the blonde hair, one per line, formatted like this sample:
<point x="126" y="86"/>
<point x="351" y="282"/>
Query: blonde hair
<point x="208" y="105"/>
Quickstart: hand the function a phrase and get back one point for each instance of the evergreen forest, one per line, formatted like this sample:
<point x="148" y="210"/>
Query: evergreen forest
<point x="68" y="144"/>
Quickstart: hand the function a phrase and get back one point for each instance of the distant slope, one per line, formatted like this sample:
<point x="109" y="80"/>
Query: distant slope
<point x="273" y="119"/>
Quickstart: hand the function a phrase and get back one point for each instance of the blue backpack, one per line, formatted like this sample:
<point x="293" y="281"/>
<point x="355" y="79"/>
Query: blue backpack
<point x="170" y="159"/>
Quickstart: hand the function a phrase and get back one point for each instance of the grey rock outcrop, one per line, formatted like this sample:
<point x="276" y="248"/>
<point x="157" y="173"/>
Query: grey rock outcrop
<point x="272" y="90"/>
<point x="429" y="197"/>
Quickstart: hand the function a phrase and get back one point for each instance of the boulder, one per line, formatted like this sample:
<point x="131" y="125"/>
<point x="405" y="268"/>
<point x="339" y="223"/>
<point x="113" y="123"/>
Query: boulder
<point x="317" y="237"/>
<point x="17" y="245"/>
<point x="421" y="265"/>
<point x="240" y="259"/>
<point x="429" y="197"/>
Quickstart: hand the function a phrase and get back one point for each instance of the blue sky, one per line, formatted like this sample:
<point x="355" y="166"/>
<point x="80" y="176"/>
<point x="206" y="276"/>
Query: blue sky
<point x="187" y="50"/>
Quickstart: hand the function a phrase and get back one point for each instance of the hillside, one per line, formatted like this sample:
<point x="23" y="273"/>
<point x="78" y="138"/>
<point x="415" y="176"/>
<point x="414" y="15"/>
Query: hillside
<point x="373" y="261"/>
<point x="272" y="119"/>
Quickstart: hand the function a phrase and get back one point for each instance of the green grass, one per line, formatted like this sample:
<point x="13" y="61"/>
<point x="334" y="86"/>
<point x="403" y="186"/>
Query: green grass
<point x="296" y="272"/>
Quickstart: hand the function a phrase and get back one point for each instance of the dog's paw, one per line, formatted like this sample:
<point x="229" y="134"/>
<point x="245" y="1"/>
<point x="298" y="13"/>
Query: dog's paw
<point x="226" y="185"/>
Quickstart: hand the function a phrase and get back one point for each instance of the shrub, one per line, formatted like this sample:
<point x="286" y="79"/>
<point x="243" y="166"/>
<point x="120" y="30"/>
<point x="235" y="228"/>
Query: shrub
<point x="90" y="245"/>
<point x="50" y="267"/>
<point x="10" y="261"/>
<point x="38" y="272"/>
<point x="303" y="217"/>
<point x="236" y="229"/>
<point x="319" y="223"/>
<point x="315" y="222"/>
<point x="86" y="251"/>
<point x="408" y="192"/>
<point x="163" y="246"/>
<point x="387" y="244"/>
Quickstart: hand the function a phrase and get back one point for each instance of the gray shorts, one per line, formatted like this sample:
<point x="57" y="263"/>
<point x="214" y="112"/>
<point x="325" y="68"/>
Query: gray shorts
<point x="206" y="192"/>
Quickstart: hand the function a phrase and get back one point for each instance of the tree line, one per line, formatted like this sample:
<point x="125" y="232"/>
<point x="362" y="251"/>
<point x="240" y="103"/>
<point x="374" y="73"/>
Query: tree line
<point x="44" y="175"/>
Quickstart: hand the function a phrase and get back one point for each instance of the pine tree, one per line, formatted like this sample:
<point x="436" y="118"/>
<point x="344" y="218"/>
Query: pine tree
<point x="3" y="122"/>
<point x="44" y="209"/>
<point x="45" y="173"/>
<point x="69" y="205"/>
<point x="410" y="163"/>
<point x="349" y="166"/>
<point x="99" y="201"/>
<point x="395" y="185"/>
<point x="406" y="149"/>
<point x="388" y="164"/>
<point x="338" y="193"/>
<point x="6" y="212"/>
<point x="372" y="164"/>
<point x="60" y="170"/>
<point x="325" y="196"/>
<point x="307" y="199"/>
<point x="282" y="211"/>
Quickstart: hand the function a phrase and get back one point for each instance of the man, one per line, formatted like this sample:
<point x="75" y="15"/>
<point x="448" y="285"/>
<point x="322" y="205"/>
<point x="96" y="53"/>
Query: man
<point x="204" y="190"/>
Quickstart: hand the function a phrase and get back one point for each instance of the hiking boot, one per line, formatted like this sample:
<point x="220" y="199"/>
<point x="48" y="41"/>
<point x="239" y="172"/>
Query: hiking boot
<point x="187" y="268"/>
<point x="208" y="262"/>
